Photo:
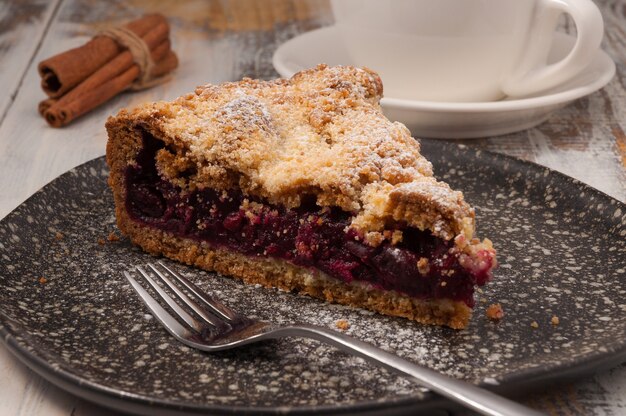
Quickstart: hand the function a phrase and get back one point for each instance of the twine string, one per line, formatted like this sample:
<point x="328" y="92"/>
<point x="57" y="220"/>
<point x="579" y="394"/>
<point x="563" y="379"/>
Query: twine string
<point x="140" y="53"/>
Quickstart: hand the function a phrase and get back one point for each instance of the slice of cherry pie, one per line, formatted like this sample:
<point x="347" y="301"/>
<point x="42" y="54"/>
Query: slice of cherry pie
<point x="301" y="184"/>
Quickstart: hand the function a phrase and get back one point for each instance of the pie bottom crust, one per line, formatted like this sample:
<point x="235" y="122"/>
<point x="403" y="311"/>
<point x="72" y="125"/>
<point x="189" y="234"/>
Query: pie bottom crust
<point x="274" y="272"/>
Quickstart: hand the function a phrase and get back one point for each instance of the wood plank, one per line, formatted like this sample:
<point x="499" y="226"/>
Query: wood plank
<point x="32" y="154"/>
<point x="214" y="42"/>
<point x="225" y="40"/>
<point x="24" y="393"/>
<point x="22" y="26"/>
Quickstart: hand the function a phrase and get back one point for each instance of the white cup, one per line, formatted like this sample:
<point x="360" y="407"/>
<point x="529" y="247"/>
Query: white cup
<point x="465" y="50"/>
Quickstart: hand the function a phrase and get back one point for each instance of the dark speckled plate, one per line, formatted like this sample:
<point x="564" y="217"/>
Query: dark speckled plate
<point x="560" y="243"/>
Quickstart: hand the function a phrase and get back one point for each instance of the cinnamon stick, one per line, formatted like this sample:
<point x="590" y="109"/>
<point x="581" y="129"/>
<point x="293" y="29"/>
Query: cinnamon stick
<point x="121" y="63"/>
<point x="46" y="104"/>
<point x="112" y="78"/>
<point x="118" y="68"/>
<point x="62" y="72"/>
<point x="165" y="65"/>
<point x="109" y="81"/>
<point x="60" y="115"/>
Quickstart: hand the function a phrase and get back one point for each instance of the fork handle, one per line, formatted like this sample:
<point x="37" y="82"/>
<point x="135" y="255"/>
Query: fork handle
<point x="469" y="395"/>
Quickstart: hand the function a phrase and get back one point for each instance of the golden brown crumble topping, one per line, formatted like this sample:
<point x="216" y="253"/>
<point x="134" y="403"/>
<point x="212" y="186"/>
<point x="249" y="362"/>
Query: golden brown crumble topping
<point x="495" y="312"/>
<point x="423" y="266"/>
<point x="342" y="324"/>
<point x="321" y="133"/>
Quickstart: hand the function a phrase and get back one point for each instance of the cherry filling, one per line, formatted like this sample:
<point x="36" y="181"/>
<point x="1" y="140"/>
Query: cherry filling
<point x="421" y="265"/>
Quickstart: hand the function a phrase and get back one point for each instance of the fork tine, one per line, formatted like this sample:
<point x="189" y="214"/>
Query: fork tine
<point x="168" y="321"/>
<point x="189" y="320"/>
<point x="217" y="307"/>
<point x="208" y="317"/>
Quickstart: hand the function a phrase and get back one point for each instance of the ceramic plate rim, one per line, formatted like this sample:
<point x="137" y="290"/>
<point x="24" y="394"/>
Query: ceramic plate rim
<point x="118" y="398"/>
<point x="279" y="59"/>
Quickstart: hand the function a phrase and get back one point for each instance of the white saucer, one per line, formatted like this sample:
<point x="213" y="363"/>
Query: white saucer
<point x="453" y="120"/>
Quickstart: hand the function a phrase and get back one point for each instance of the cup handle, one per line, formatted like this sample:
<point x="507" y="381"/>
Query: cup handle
<point x="532" y="75"/>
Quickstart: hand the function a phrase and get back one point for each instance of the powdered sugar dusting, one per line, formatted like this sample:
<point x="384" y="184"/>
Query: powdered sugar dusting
<point x="84" y="283"/>
<point x="321" y="133"/>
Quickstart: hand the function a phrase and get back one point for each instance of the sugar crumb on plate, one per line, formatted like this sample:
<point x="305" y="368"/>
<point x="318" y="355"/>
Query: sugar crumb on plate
<point x="495" y="312"/>
<point x="342" y="324"/>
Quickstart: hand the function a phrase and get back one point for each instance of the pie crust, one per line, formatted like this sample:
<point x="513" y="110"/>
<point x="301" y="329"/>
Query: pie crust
<point x="319" y="136"/>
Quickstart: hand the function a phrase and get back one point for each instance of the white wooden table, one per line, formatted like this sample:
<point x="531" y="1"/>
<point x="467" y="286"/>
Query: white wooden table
<point x="221" y="40"/>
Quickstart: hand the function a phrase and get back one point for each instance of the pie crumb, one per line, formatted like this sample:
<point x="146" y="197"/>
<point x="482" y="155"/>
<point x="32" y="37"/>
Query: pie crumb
<point x="396" y="237"/>
<point x="422" y="266"/>
<point x="342" y="324"/>
<point x="58" y="236"/>
<point x="555" y="320"/>
<point x="495" y="312"/>
<point x="43" y="280"/>
<point x="101" y="241"/>
<point x="534" y="324"/>
<point x="113" y="237"/>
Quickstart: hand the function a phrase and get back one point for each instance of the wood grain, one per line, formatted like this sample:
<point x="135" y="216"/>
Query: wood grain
<point x="205" y="56"/>
<point x="22" y="26"/>
<point x="226" y="40"/>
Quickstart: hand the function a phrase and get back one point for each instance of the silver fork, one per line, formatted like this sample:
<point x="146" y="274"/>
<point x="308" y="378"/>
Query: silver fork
<point x="212" y="326"/>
